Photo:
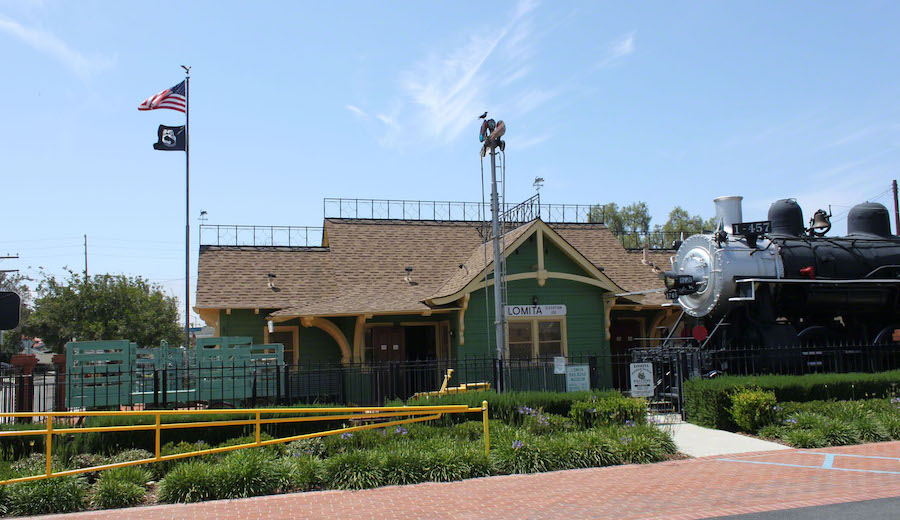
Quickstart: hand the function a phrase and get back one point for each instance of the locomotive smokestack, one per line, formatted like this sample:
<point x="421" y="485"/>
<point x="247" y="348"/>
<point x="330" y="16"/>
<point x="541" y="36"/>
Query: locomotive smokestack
<point x="728" y="211"/>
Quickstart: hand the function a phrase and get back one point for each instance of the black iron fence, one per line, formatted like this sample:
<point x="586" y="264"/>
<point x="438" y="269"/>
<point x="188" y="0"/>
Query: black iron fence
<point x="104" y="387"/>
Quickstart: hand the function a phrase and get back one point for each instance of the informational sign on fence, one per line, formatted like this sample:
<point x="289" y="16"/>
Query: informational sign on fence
<point x="642" y="380"/>
<point x="578" y="378"/>
<point x="559" y="365"/>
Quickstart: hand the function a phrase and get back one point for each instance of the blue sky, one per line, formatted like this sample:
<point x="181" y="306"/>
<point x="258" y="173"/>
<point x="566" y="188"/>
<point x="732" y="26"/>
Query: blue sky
<point x="669" y="103"/>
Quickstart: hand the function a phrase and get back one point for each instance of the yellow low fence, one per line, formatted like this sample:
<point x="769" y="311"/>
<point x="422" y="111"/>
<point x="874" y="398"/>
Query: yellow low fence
<point x="373" y="416"/>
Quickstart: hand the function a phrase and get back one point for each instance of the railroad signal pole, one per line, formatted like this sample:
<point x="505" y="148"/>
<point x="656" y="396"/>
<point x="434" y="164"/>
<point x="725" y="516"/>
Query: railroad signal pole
<point x="491" y="133"/>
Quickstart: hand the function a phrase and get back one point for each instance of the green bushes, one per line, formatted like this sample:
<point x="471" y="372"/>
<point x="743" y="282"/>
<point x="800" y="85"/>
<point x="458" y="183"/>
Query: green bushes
<point x="828" y="423"/>
<point x="506" y="406"/>
<point x="40" y="497"/>
<point x="593" y="430"/>
<point x="752" y="409"/>
<point x="593" y="412"/>
<point x="707" y="401"/>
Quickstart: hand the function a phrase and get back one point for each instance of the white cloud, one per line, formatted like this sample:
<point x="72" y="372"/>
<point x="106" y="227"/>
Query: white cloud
<point x="49" y="43"/>
<point x="386" y="119"/>
<point x="617" y="50"/>
<point x="356" y="111"/>
<point x="444" y="93"/>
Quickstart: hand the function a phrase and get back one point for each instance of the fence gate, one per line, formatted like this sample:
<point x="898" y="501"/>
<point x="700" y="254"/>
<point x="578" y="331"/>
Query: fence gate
<point x="670" y="368"/>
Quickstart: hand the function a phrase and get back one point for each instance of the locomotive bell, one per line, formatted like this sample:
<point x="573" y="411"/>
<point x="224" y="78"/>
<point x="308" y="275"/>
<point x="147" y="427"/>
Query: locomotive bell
<point x="820" y="223"/>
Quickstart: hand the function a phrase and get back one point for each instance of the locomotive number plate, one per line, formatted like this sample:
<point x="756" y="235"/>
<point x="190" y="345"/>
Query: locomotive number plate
<point x="752" y="228"/>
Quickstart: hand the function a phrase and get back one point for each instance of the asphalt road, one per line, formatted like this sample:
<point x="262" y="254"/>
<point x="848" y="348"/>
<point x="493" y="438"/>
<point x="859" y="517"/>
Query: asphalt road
<point x="882" y="509"/>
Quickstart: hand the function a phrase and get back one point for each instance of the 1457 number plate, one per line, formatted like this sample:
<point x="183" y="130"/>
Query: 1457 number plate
<point x="752" y="228"/>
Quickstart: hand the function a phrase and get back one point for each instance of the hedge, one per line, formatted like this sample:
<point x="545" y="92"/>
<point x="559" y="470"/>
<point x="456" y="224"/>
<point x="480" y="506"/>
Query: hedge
<point x="707" y="402"/>
<point x="505" y="406"/>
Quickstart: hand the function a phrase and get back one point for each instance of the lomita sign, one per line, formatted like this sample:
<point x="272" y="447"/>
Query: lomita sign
<point x="529" y="311"/>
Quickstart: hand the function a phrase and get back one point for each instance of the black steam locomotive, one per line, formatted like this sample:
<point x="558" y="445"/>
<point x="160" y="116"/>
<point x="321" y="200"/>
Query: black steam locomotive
<point x="778" y="283"/>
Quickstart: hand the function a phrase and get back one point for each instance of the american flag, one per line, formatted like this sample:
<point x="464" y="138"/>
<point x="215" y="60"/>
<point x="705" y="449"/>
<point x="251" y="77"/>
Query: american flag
<point x="172" y="98"/>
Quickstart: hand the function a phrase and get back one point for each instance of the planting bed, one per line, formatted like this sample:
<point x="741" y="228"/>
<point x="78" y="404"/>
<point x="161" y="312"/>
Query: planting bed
<point x="529" y="432"/>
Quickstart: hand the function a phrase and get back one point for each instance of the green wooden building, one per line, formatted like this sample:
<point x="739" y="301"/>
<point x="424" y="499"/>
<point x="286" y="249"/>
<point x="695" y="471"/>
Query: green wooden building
<point x="412" y="289"/>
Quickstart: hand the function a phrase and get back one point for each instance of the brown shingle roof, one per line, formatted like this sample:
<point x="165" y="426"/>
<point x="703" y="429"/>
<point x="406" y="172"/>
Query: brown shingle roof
<point x="605" y="251"/>
<point x="482" y="256"/>
<point x="363" y="269"/>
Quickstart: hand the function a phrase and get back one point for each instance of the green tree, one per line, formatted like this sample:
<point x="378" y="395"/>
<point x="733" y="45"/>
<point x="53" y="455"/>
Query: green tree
<point x="12" y="339"/>
<point x="102" y="307"/>
<point x="680" y="223"/>
<point x="629" y="223"/>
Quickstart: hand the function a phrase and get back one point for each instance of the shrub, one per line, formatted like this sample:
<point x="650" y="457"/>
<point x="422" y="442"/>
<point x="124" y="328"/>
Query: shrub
<point x="615" y="410"/>
<point x="706" y="402"/>
<point x="138" y="475"/>
<point x="314" y="447"/>
<point x="870" y="429"/>
<point x="596" y="448"/>
<point x="525" y="455"/>
<point x="109" y="493"/>
<point x="752" y="409"/>
<point x="506" y="406"/>
<point x="249" y="473"/>
<point x="189" y="482"/>
<point x="772" y="431"/>
<point x="804" y="438"/>
<point x="303" y="473"/>
<point x="354" y="470"/>
<point x="404" y="466"/>
<point x="52" y="495"/>
<point x="891" y="423"/>
<point x="837" y="433"/>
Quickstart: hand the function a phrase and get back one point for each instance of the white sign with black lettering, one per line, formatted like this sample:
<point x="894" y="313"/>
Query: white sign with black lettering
<point x="642" y="380"/>
<point x="528" y="311"/>
<point x="578" y="378"/>
<point x="559" y="365"/>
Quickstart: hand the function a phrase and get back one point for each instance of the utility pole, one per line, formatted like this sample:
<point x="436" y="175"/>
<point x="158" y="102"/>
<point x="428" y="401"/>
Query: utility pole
<point x="896" y="206"/>
<point x="9" y="258"/>
<point x="85" y="259"/>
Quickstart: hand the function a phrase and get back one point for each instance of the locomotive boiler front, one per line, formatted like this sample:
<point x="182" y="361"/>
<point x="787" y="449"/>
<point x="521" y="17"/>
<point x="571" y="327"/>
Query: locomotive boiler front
<point x="714" y="260"/>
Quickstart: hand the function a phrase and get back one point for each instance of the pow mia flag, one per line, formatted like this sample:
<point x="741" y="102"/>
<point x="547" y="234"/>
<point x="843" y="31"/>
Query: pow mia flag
<point x="170" y="138"/>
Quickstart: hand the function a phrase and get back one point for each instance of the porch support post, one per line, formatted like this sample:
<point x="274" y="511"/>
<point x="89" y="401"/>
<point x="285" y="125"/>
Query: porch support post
<point x="359" y="338"/>
<point x="608" y="300"/>
<point x="462" y="318"/>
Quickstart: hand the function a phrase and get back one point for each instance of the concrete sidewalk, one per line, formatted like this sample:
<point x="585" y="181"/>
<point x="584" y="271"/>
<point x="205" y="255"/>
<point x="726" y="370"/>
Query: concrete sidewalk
<point x="698" y="441"/>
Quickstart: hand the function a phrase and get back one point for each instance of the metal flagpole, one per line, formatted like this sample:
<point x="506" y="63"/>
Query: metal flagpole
<point x="187" y="207"/>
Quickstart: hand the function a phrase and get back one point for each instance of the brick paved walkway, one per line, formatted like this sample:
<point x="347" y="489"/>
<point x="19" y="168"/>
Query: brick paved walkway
<point x="687" y="489"/>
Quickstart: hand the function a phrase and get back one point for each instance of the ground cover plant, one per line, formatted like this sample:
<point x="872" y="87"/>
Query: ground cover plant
<point x="530" y="432"/>
<point x="708" y="402"/>
<point x="816" y="424"/>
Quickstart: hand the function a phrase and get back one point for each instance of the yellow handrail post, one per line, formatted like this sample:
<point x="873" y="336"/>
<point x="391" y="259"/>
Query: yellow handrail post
<point x="49" y="444"/>
<point x="158" y="434"/>
<point x="487" y="436"/>
<point x="258" y="426"/>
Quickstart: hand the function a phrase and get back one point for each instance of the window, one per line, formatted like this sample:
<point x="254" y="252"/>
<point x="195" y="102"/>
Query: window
<point x="532" y="338"/>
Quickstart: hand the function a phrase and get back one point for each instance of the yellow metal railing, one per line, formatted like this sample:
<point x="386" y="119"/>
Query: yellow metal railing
<point x="372" y="415"/>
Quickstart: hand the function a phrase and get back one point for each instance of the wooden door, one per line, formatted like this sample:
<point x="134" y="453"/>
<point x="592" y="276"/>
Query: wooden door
<point x="388" y="344"/>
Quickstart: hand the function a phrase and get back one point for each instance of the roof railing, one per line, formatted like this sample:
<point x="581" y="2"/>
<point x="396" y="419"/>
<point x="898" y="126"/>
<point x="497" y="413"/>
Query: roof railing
<point x="260" y="236"/>
<point x="447" y="211"/>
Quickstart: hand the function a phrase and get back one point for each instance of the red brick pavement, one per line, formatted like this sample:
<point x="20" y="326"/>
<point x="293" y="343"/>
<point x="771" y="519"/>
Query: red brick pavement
<point x="686" y="489"/>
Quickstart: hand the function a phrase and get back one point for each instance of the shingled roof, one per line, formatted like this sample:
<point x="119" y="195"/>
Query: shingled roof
<point x="362" y="271"/>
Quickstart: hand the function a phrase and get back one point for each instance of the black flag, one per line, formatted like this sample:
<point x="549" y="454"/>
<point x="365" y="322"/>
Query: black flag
<point x="170" y="138"/>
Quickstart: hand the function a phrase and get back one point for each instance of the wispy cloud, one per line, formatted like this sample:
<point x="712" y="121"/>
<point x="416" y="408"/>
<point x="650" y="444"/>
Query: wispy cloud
<point x="868" y="131"/>
<point x="617" y="49"/>
<point x="443" y="93"/>
<point x="44" y="41"/>
<point x="357" y="111"/>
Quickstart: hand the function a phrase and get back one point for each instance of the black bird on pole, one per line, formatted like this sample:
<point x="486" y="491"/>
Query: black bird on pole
<point x="482" y="116"/>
